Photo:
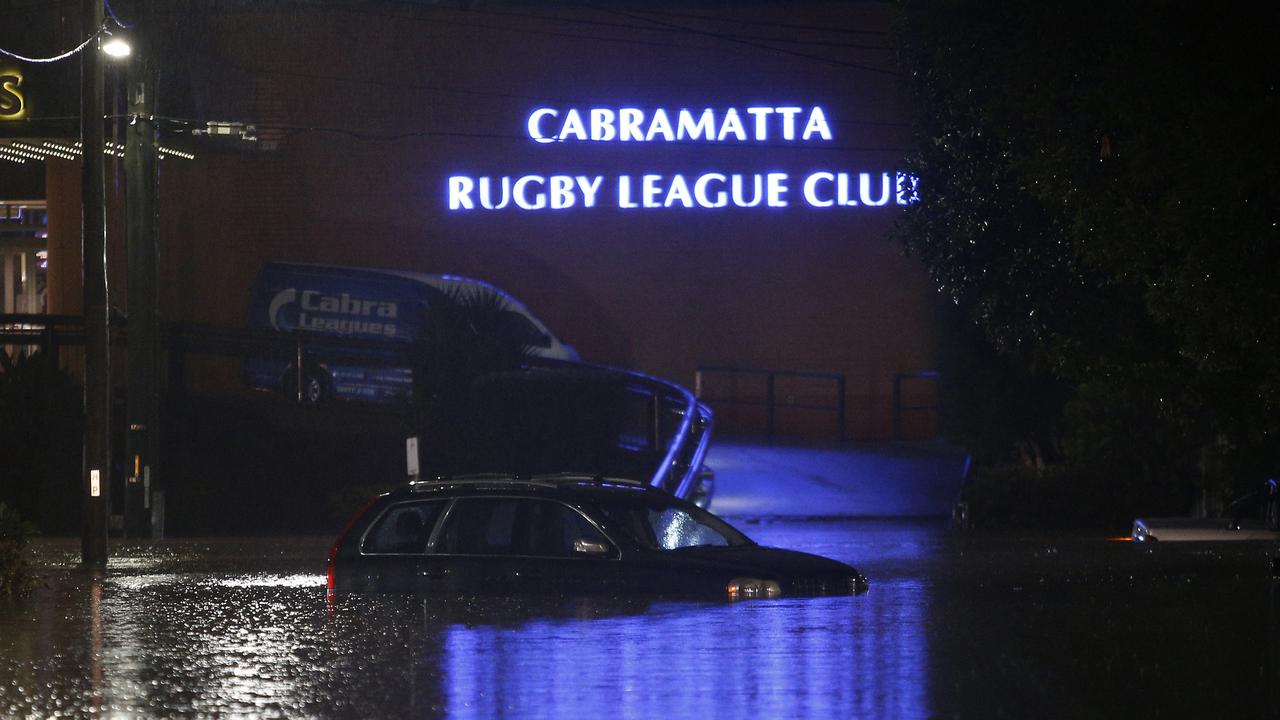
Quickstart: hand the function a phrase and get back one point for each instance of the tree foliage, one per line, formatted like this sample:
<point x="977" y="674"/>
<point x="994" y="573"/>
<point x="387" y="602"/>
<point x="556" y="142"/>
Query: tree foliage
<point x="1099" y="200"/>
<point x="15" y="569"/>
<point x="41" y="427"/>
<point x="486" y="403"/>
<point x="465" y="339"/>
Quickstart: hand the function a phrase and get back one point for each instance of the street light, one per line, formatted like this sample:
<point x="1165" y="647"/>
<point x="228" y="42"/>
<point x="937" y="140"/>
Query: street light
<point x="97" y="339"/>
<point x="116" y="46"/>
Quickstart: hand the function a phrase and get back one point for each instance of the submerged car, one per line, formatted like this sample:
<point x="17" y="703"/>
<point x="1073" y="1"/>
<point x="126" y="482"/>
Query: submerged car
<point x="1256" y="516"/>
<point x="1177" y="529"/>
<point x="565" y="534"/>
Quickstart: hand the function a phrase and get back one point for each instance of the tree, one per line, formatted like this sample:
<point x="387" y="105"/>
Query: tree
<point x="465" y="339"/>
<point x="41" y="426"/>
<point x="1098" y="199"/>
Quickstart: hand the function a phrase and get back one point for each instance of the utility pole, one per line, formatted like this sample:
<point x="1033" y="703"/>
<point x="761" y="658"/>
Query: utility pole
<point x="143" y="336"/>
<point x="97" y="369"/>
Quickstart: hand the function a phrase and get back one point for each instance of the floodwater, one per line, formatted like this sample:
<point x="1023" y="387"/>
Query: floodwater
<point x="954" y="626"/>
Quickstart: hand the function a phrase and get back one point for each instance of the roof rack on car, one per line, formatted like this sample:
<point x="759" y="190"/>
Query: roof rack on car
<point x="538" y="479"/>
<point x="480" y="479"/>
<point x="581" y="477"/>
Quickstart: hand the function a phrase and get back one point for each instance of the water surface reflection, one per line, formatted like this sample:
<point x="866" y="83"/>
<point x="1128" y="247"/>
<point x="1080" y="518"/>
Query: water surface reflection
<point x="954" y="626"/>
<point x="219" y="627"/>
<point x="822" y="657"/>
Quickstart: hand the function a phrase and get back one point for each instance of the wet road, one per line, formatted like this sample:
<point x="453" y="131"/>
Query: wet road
<point x="954" y="626"/>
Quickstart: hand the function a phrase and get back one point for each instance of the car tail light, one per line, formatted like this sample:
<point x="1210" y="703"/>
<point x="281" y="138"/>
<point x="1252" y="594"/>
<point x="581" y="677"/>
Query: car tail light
<point x="333" y="555"/>
<point x="333" y="549"/>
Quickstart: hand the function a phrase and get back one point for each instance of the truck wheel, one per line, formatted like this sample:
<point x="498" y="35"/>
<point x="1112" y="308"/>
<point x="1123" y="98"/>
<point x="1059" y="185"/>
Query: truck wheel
<point x="315" y="385"/>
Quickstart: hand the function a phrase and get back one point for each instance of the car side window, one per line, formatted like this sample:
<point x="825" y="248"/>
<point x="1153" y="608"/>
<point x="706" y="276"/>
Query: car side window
<point x="555" y="529"/>
<point x="517" y="328"/>
<point x="479" y="526"/>
<point x="512" y="526"/>
<point x="403" y="529"/>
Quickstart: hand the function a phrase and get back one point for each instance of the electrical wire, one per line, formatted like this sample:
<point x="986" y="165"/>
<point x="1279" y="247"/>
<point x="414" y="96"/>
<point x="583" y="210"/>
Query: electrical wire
<point x="660" y="27"/>
<point x="101" y="29"/>
<point x="192" y="124"/>
<point x="471" y="9"/>
<point x="224" y="61"/>
<point x="362" y="11"/>
<point x="766" y="23"/>
<point x="674" y="30"/>
<point x="751" y="43"/>
<point x="468" y="91"/>
<point x="111" y="11"/>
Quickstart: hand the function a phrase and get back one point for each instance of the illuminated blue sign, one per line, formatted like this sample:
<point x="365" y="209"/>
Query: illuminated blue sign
<point x="709" y="190"/>
<point x="635" y="125"/>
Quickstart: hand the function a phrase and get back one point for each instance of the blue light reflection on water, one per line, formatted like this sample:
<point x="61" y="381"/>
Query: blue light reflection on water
<point x="796" y="657"/>
<point x="954" y="626"/>
<point x="206" y="633"/>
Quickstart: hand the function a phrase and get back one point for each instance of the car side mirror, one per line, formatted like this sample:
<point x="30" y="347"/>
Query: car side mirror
<point x="590" y="547"/>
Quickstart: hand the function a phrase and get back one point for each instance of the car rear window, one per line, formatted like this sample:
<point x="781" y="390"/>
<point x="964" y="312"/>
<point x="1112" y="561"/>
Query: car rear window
<point x="403" y="529"/>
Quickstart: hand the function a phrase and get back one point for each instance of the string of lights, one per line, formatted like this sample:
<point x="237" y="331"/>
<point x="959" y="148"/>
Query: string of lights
<point x="63" y="56"/>
<point x="20" y="151"/>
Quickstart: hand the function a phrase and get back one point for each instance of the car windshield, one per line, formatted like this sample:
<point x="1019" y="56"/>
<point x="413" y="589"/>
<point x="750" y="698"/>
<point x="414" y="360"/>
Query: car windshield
<point x="659" y="525"/>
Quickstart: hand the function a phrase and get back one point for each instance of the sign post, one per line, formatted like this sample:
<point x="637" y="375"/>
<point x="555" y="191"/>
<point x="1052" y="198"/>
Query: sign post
<point x="411" y="457"/>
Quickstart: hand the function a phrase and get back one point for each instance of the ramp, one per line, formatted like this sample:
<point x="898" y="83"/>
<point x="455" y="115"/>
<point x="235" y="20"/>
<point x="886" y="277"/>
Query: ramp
<point x="772" y="479"/>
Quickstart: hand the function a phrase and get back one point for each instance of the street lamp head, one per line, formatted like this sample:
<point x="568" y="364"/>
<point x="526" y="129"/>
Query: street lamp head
<point x="116" y="46"/>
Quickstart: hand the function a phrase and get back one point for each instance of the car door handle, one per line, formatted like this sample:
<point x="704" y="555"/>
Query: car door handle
<point x="433" y="573"/>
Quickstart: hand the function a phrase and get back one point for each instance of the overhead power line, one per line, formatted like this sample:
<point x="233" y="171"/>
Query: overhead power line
<point x="458" y="90"/>
<point x="677" y="30"/>
<point x="653" y="26"/>
<point x="101" y="29"/>
<point x="111" y="11"/>
<point x="192" y="125"/>
<point x="765" y="23"/>
<point x="728" y="37"/>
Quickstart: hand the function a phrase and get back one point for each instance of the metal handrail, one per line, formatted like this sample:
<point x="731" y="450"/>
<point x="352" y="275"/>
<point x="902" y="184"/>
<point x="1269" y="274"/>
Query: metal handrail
<point x="770" y="403"/>
<point x="692" y="409"/>
<point x="686" y="486"/>
<point x="899" y="408"/>
<point x="41" y="330"/>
